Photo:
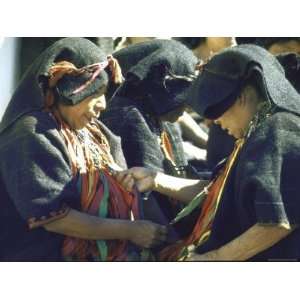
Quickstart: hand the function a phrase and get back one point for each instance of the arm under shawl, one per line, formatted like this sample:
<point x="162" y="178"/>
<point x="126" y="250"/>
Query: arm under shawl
<point x="268" y="173"/>
<point x="35" y="169"/>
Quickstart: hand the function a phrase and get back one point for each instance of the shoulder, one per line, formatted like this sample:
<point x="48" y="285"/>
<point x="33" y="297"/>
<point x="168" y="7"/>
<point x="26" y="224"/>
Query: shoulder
<point x="275" y="142"/>
<point x="280" y="122"/>
<point x="35" y="123"/>
<point x="279" y="130"/>
<point x="33" y="131"/>
<point x="123" y="113"/>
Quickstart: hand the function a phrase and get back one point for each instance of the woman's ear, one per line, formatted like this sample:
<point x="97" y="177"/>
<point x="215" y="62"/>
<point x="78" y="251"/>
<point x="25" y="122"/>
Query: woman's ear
<point x="242" y="99"/>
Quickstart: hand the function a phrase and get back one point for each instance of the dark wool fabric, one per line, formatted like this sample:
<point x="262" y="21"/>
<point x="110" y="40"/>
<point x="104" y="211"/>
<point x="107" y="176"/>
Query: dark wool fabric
<point x="219" y="145"/>
<point x="263" y="188"/>
<point x="143" y="97"/>
<point x="145" y="67"/>
<point x="36" y="179"/>
<point x="139" y="138"/>
<point x="225" y="73"/>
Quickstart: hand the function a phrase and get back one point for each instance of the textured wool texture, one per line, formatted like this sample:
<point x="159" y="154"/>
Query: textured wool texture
<point x="145" y="67"/>
<point x="229" y="69"/>
<point x="133" y="112"/>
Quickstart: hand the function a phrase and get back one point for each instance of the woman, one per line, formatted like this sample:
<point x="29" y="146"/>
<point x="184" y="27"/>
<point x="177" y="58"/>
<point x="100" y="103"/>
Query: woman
<point x="59" y="199"/>
<point x="250" y="210"/>
<point x="152" y="97"/>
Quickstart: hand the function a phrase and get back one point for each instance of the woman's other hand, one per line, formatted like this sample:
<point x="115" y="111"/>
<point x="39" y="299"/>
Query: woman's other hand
<point x="147" y="234"/>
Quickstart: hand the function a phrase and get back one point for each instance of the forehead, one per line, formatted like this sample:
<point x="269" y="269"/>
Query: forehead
<point x="91" y="99"/>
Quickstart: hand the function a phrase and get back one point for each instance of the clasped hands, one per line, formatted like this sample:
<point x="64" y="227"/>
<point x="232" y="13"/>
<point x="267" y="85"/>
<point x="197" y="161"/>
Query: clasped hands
<point x="141" y="178"/>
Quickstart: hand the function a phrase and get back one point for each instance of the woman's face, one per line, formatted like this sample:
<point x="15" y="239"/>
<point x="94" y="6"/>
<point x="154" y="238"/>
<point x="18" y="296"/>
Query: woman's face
<point x="79" y="115"/>
<point x="237" y="118"/>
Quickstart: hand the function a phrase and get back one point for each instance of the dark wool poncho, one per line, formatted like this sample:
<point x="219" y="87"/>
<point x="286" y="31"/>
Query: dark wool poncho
<point x="263" y="188"/>
<point x="263" y="184"/>
<point x="36" y="180"/>
<point x="132" y="113"/>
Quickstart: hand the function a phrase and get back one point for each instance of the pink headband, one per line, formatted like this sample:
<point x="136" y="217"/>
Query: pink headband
<point x="96" y="69"/>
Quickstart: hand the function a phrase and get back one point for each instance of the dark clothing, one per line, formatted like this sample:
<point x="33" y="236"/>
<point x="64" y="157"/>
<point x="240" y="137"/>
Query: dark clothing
<point x="263" y="188"/>
<point x="219" y="145"/>
<point x="139" y="138"/>
<point x="157" y="77"/>
<point x="36" y="183"/>
<point x="150" y="71"/>
<point x="222" y="78"/>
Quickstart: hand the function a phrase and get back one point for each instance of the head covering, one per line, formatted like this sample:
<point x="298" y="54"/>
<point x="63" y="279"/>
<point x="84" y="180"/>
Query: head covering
<point x="222" y="78"/>
<point x="153" y="72"/>
<point x="30" y="93"/>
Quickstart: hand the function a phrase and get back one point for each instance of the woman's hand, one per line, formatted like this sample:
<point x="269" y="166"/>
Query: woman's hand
<point x="142" y="178"/>
<point x="147" y="234"/>
<point x="209" y="256"/>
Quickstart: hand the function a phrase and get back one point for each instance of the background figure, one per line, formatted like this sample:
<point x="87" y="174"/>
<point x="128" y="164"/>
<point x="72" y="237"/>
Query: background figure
<point x="157" y="76"/>
<point x="123" y="42"/>
<point x="279" y="45"/>
<point x="205" y="47"/>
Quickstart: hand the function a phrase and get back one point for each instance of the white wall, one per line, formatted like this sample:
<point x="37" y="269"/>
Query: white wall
<point x="8" y="70"/>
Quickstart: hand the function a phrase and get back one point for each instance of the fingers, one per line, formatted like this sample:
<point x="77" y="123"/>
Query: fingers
<point x="160" y="236"/>
<point x="125" y="179"/>
<point x="144" y="185"/>
<point x="119" y="176"/>
<point x="128" y="182"/>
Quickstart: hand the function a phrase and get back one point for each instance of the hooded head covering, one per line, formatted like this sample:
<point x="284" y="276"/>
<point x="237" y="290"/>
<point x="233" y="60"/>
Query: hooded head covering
<point x="158" y="72"/>
<point x="72" y="67"/>
<point x="221" y="80"/>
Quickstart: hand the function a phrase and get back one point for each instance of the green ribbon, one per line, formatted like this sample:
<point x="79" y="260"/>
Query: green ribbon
<point x="103" y="210"/>
<point x="196" y="202"/>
